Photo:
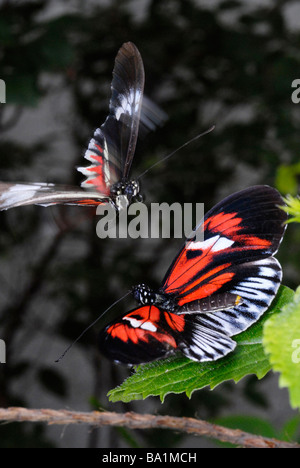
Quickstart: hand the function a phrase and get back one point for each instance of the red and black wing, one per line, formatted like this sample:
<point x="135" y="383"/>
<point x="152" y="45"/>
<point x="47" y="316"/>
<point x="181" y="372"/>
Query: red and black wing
<point x="143" y="335"/>
<point x="240" y="236"/>
<point x="110" y="150"/>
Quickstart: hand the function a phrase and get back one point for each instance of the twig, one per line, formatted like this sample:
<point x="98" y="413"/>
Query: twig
<point x="144" y="421"/>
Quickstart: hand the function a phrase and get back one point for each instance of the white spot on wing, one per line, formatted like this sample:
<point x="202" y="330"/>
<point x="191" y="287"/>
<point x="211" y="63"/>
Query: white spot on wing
<point x="128" y="104"/>
<point x="133" y="322"/>
<point x="221" y="244"/>
<point x="215" y="244"/>
<point x="149" y="326"/>
<point x="140" y="324"/>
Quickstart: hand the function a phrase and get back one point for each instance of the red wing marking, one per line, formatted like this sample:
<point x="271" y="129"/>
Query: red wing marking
<point x="135" y="335"/>
<point x="90" y="202"/>
<point x="207" y="289"/>
<point x="229" y="222"/>
<point x="176" y="322"/>
<point x="204" y="277"/>
<point x="147" y="323"/>
<point x="185" y="270"/>
<point x="252" y="241"/>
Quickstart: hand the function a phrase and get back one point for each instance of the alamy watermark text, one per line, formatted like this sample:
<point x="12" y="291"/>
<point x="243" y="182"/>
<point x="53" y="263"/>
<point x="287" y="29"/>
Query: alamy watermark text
<point x="2" y="352"/>
<point x="159" y="220"/>
<point x="2" y="92"/>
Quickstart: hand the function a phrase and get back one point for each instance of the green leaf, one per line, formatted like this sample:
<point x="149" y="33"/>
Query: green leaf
<point x="178" y="374"/>
<point x="282" y="342"/>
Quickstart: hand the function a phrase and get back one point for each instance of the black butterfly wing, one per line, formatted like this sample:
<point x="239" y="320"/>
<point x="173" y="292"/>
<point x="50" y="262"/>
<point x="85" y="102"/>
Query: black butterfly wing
<point x="112" y="148"/>
<point x="127" y="97"/>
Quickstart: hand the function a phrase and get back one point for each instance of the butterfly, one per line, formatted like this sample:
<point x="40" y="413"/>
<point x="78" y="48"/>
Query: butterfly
<point x="110" y="151"/>
<point x="215" y="288"/>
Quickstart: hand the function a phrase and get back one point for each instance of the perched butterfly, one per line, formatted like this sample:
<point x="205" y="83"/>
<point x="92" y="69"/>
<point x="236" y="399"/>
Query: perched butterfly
<point x="110" y="151"/>
<point x="214" y="289"/>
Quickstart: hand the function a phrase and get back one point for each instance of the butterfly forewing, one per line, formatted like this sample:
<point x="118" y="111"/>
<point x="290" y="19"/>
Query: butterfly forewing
<point x="144" y="334"/>
<point x="112" y="148"/>
<point x="244" y="227"/>
<point x="126" y="102"/>
<point x="241" y="235"/>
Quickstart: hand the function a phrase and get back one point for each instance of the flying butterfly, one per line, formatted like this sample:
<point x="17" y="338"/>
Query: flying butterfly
<point x="215" y="288"/>
<point x="110" y="151"/>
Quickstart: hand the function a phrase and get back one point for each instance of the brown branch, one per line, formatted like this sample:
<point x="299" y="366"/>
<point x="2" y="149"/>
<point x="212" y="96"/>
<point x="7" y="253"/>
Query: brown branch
<point x="144" y="421"/>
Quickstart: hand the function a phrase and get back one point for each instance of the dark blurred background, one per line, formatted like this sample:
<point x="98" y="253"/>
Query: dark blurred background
<point x="230" y="63"/>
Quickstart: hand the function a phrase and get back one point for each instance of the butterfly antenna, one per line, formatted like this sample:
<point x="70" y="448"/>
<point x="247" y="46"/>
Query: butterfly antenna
<point x="90" y="326"/>
<point x="178" y="149"/>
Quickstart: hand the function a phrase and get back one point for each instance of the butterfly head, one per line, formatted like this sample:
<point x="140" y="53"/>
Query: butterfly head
<point x="126" y="192"/>
<point x="143" y="294"/>
<point x="131" y="189"/>
<point x="146" y="296"/>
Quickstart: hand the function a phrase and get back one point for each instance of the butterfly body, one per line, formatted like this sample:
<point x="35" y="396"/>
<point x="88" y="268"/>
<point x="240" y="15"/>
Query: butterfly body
<point x="215" y="288"/>
<point x="125" y="192"/>
<point x="144" y="295"/>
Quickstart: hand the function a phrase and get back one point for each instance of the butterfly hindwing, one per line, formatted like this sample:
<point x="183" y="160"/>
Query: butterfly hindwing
<point x="257" y="283"/>
<point x="204" y="342"/>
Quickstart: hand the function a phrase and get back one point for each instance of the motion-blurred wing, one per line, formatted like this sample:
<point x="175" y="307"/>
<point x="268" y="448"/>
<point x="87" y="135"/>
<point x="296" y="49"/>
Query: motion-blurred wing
<point x="13" y="195"/>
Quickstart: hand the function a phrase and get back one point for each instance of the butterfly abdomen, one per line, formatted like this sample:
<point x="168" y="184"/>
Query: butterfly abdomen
<point x="222" y="301"/>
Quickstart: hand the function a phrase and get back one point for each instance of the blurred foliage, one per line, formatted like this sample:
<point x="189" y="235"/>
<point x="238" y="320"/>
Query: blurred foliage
<point x="287" y="178"/>
<point x="259" y="426"/>
<point x="231" y="64"/>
